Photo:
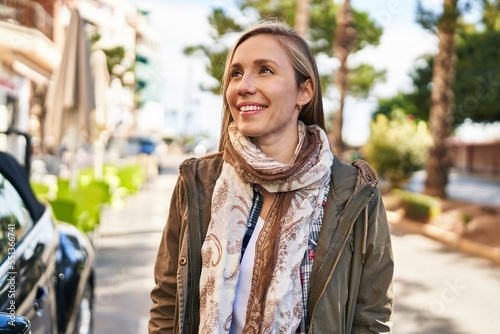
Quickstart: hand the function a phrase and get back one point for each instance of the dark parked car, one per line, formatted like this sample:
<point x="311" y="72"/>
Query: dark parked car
<point x="46" y="268"/>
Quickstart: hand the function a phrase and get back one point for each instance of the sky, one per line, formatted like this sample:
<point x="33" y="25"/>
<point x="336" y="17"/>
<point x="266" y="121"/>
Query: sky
<point x="184" y="22"/>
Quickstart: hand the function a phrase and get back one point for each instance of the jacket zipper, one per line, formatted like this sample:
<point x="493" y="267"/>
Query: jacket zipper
<point x="327" y="255"/>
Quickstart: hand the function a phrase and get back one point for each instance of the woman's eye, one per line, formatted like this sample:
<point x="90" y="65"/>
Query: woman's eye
<point x="266" y="70"/>
<point x="235" y="74"/>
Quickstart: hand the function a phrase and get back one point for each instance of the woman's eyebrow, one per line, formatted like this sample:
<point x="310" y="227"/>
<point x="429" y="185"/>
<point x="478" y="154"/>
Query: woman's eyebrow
<point x="265" y="61"/>
<point x="257" y="62"/>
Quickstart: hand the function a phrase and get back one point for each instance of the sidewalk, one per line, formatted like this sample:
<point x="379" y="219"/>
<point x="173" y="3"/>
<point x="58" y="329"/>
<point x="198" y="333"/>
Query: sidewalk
<point x="452" y="240"/>
<point x="126" y="245"/>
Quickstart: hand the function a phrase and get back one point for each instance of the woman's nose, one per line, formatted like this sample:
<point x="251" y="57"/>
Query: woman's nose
<point x="246" y="86"/>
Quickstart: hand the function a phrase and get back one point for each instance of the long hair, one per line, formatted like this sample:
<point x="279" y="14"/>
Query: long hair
<point x="303" y="63"/>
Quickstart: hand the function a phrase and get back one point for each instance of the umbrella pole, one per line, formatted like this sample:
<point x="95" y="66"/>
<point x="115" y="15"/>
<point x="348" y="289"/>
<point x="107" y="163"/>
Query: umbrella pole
<point x="73" y="182"/>
<point x="99" y="158"/>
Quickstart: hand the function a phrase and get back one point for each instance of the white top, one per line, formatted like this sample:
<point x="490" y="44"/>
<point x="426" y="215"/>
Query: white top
<point x="244" y="282"/>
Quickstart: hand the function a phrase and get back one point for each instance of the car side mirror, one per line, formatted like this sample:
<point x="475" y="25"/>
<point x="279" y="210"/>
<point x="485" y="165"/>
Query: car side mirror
<point x="14" y="324"/>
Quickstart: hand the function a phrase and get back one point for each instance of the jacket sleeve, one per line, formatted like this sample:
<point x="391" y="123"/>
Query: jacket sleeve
<point x="375" y="298"/>
<point x="164" y="294"/>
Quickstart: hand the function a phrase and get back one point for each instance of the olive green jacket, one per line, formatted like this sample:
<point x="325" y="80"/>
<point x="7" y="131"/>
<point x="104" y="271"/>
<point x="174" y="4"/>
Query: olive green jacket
<point x="351" y="279"/>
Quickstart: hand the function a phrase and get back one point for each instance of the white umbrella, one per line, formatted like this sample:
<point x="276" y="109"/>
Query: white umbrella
<point x="71" y="97"/>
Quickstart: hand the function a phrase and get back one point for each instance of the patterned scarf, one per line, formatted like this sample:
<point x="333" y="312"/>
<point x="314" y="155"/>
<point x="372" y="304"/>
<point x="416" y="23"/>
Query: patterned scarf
<point x="275" y="297"/>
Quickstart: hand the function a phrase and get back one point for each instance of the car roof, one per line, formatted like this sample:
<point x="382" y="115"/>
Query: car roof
<point x="18" y="176"/>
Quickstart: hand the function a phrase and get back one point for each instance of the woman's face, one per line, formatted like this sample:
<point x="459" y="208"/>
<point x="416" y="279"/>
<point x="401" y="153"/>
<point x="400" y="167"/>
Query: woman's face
<point x="262" y="93"/>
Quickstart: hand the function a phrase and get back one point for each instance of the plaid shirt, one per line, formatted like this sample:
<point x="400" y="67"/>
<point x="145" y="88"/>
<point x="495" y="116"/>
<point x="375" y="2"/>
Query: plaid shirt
<point x="307" y="261"/>
<point x="257" y="201"/>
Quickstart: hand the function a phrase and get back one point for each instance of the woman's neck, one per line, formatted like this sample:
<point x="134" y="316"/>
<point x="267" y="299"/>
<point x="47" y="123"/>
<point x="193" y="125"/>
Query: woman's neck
<point x="281" y="151"/>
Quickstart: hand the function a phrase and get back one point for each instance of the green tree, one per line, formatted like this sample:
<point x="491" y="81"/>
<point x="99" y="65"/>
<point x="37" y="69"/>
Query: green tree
<point x="397" y="146"/>
<point x="345" y="35"/>
<point x="476" y="70"/>
<point x="463" y="83"/>
<point x="438" y="164"/>
<point x="491" y="15"/>
<point x="477" y="84"/>
<point x="302" y="18"/>
<point x="472" y="92"/>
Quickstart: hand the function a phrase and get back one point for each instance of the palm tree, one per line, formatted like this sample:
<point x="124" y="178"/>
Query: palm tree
<point x="301" y="25"/>
<point x="440" y="119"/>
<point x="345" y="34"/>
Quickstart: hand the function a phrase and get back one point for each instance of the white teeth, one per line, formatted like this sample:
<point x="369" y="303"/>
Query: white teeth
<point x="251" y="108"/>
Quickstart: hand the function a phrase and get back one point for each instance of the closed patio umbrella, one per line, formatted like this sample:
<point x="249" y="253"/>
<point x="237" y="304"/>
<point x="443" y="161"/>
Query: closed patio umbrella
<point x="101" y="83"/>
<point x="71" y="96"/>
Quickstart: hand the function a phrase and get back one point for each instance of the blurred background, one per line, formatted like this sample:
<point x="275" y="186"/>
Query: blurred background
<point x="90" y="87"/>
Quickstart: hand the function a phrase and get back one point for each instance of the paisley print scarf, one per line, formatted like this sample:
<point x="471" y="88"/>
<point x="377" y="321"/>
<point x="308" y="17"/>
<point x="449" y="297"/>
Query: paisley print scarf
<point x="275" y="295"/>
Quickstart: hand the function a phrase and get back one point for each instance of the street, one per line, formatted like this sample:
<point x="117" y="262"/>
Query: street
<point x="440" y="291"/>
<point x="437" y="290"/>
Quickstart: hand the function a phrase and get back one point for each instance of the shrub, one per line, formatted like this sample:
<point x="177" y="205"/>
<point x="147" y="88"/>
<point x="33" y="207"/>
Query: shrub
<point x="397" y="147"/>
<point x="466" y="219"/>
<point x="419" y="207"/>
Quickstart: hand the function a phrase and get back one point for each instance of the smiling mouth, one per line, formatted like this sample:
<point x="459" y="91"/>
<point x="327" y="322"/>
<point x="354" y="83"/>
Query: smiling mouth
<point x="251" y="108"/>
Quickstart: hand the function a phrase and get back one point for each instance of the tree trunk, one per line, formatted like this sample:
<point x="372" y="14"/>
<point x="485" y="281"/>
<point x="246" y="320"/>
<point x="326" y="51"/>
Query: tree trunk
<point x="344" y="38"/>
<point x="302" y="18"/>
<point x="438" y="162"/>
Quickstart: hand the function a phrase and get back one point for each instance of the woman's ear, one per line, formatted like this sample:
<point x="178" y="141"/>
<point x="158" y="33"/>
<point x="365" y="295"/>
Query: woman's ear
<point x="306" y="92"/>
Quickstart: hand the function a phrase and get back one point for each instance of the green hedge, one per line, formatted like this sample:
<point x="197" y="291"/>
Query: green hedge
<point x="82" y="206"/>
<point x="419" y="207"/>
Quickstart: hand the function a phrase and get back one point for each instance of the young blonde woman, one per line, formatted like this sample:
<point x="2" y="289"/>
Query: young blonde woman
<point x="273" y="234"/>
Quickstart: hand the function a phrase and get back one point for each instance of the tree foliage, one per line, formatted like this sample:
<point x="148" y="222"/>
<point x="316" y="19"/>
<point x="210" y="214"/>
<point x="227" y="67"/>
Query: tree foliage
<point x="362" y="78"/>
<point x="476" y="87"/>
<point x="491" y="15"/>
<point x="397" y="146"/>
<point x="477" y="84"/>
<point x="415" y="103"/>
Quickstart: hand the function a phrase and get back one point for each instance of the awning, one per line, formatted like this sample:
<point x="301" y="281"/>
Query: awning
<point x="25" y="67"/>
<point x="28" y="50"/>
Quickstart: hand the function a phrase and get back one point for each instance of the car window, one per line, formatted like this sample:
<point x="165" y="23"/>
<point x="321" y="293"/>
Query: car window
<point x="15" y="220"/>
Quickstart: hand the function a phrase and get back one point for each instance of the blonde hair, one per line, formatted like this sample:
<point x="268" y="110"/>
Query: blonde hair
<point x="303" y="63"/>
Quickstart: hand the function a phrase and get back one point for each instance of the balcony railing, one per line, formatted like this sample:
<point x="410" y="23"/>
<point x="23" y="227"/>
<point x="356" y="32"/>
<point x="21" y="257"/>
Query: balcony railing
<point x="27" y="13"/>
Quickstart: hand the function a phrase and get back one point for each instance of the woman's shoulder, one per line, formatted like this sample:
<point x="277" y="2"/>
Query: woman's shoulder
<point x="206" y="165"/>
<point x="351" y="177"/>
<point x="342" y="169"/>
<point x="211" y="158"/>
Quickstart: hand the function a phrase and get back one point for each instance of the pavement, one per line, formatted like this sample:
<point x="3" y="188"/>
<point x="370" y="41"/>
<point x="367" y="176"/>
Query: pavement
<point x="126" y="245"/>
